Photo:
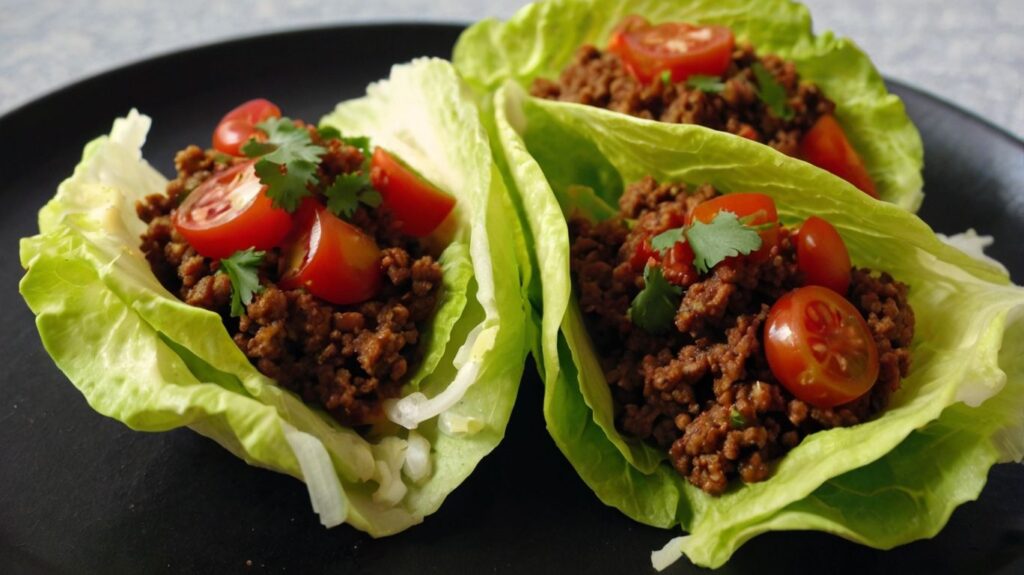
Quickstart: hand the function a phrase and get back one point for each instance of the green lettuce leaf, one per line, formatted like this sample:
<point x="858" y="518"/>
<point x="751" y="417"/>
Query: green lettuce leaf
<point x="540" y="40"/>
<point x="965" y="355"/>
<point x="140" y="355"/>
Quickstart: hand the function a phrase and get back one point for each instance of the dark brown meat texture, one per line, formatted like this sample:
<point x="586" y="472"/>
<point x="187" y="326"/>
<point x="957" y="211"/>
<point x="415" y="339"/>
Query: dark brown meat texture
<point x="597" y="78"/>
<point x="704" y="392"/>
<point x="346" y="358"/>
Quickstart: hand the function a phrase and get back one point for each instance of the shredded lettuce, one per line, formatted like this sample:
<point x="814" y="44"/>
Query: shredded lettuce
<point x="961" y="401"/>
<point x="140" y="355"/>
<point x="540" y="40"/>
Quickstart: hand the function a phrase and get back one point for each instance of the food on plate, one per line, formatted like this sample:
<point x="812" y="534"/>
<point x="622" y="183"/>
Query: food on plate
<point x="279" y="297"/>
<point x="750" y="68"/>
<point x="723" y="342"/>
<point x="717" y="355"/>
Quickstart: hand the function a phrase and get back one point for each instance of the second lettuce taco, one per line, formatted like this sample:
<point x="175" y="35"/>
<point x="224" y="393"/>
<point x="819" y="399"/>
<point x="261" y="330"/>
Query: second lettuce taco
<point x="748" y="67"/>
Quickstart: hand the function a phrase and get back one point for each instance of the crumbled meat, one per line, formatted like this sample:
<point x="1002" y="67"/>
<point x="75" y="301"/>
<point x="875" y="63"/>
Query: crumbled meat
<point x="348" y="359"/>
<point x="704" y="391"/>
<point x="600" y="79"/>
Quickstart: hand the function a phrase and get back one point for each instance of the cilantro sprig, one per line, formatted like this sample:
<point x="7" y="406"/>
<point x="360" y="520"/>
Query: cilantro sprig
<point x="771" y="92"/>
<point x="287" y="163"/>
<point x="726" y="236"/>
<point x="242" y="268"/>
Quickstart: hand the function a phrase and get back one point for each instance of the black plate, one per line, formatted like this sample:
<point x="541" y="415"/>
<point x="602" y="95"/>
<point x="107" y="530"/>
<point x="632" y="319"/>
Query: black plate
<point x="80" y="493"/>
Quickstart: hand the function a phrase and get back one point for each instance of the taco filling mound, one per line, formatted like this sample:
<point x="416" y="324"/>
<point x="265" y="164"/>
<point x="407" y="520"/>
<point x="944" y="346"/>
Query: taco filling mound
<point x="295" y="237"/>
<point x="682" y="73"/>
<point x="725" y="337"/>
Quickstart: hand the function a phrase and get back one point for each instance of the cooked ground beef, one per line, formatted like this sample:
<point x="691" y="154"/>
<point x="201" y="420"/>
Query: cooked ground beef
<point x="704" y="392"/>
<point x="597" y="78"/>
<point x="346" y="358"/>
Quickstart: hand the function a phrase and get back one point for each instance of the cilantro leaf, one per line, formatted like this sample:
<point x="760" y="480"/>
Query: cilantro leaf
<point x="724" y="237"/>
<point x="709" y="84"/>
<point x="287" y="187"/>
<point x="654" y="308"/>
<point x="328" y="132"/>
<point x="771" y="92"/>
<point x="665" y="240"/>
<point x="348" y="191"/>
<point x="242" y="268"/>
<point x="288" y="159"/>
<point x="666" y="78"/>
<point x="360" y="142"/>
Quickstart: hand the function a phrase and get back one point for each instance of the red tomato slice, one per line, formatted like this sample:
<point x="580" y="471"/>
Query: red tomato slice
<point x="680" y="48"/>
<point x="238" y="125"/>
<point x="819" y="347"/>
<point x="331" y="258"/>
<point x="821" y="255"/>
<point x="229" y="212"/>
<point x="417" y="205"/>
<point x="752" y="208"/>
<point x="826" y="146"/>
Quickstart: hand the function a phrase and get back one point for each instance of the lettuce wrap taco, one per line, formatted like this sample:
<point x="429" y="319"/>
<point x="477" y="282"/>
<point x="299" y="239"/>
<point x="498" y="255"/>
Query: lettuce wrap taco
<point x="746" y="67"/>
<point x="279" y="297"/>
<point x="714" y="445"/>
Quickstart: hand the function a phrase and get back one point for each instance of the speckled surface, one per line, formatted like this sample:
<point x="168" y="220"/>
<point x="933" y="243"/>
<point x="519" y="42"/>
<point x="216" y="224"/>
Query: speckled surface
<point x="970" y="52"/>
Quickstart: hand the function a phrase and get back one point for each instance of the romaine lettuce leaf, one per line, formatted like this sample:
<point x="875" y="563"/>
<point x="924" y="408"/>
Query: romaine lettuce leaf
<point x="140" y="355"/>
<point x="540" y="40"/>
<point x="970" y="328"/>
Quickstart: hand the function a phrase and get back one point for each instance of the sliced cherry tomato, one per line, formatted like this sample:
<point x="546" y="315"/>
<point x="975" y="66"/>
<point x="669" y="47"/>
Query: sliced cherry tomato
<point x="229" y="212"/>
<point x="821" y="255"/>
<point x="826" y="146"/>
<point x="238" y="125"/>
<point x="752" y="209"/>
<point x="417" y="205"/>
<point x="331" y="258"/>
<point x="680" y="48"/>
<point x="819" y="347"/>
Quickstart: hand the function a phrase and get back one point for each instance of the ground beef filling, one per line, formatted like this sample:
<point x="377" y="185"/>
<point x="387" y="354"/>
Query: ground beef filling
<point x="597" y="78"/>
<point x="704" y="392"/>
<point x="346" y="358"/>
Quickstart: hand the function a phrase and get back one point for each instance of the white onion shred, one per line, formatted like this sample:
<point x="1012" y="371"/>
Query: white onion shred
<point x="417" y="458"/>
<point x="668" y="554"/>
<point x="973" y="245"/>
<point x="416" y="408"/>
<point x="325" y="492"/>
<point x="390" y="456"/>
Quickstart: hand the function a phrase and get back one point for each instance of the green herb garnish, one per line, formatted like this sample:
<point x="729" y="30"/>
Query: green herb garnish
<point x="287" y="163"/>
<point x="724" y="237"/>
<point x="709" y="84"/>
<point x="243" y="268"/>
<point x="736" y="419"/>
<point x="667" y="239"/>
<point x="666" y="78"/>
<point x="350" y="190"/>
<point x="771" y="92"/>
<point x="654" y="308"/>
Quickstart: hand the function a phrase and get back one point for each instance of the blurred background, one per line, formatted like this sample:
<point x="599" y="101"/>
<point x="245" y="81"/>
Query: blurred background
<point x="968" y="52"/>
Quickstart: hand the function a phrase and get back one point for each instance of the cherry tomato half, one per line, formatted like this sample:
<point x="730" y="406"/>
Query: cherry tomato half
<point x="331" y="258"/>
<point x="417" y="205"/>
<point x="238" y="125"/>
<point x="752" y="208"/>
<point x="821" y="255"/>
<point x="680" y="48"/>
<point x="826" y="146"/>
<point x="819" y="347"/>
<point x="229" y="212"/>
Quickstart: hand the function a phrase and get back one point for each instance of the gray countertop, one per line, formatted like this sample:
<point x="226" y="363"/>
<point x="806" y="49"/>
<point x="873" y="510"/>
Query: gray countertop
<point x="968" y="52"/>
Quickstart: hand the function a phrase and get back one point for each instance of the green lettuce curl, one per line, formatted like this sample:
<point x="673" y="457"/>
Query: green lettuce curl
<point x="882" y="483"/>
<point x="540" y="40"/>
<point x="140" y="355"/>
